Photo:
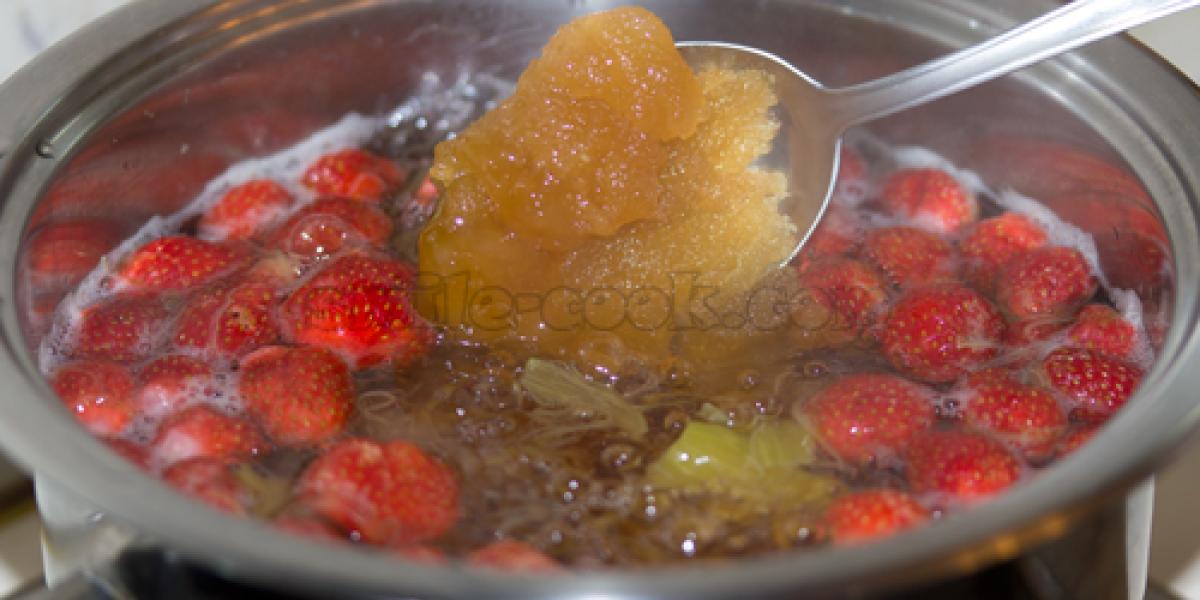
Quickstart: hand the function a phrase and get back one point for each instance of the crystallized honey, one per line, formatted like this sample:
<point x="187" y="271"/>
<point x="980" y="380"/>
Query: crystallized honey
<point x="590" y="206"/>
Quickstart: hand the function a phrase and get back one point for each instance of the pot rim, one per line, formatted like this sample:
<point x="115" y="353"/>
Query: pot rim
<point x="46" y="440"/>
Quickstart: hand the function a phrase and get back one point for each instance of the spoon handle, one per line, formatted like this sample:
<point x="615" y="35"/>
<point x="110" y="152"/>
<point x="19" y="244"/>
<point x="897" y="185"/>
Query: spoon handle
<point x="1063" y="29"/>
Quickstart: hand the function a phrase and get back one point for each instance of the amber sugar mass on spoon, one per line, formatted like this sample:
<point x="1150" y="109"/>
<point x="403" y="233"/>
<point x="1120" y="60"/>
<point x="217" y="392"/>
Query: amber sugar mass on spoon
<point x="616" y="167"/>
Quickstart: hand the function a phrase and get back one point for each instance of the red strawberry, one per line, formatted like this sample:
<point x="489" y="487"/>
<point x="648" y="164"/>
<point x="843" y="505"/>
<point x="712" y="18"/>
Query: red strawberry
<point x="1076" y="437"/>
<point x="359" y="307"/>
<point x="130" y="451"/>
<point x="942" y="332"/>
<point x="1100" y="328"/>
<point x="909" y="256"/>
<point x="1045" y="282"/>
<point x="299" y="395"/>
<point x="861" y="416"/>
<point x="849" y="291"/>
<point x="872" y="514"/>
<point x="228" y="321"/>
<point x="308" y="527"/>
<point x="125" y="328"/>
<point x="1096" y="385"/>
<point x="177" y="263"/>
<point x="931" y="197"/>
<point x="244" y="210"/>
<point x="71" y="248"/>
<point x="994" y="242"/>
<point x="202" y="431"/>
<point x="1028" y="418"/>
<point x="391" y="493"/>
<point x="510" y="555"/>
<point x="98" y="393"/>
<point x="965" y="465"/>
<point x="353" y="174"/>
<point x="330" y="224"/>
<point x="169" y="383"/>
<point x="210" y="481"/>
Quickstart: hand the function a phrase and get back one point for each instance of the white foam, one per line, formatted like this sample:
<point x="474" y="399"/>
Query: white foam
<point x="218" y="391"/>
<point x="912" y="157"/>
<point x="1129" y="305"/>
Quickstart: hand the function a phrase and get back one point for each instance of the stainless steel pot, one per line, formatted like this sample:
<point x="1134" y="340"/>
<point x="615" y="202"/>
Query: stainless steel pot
<point x="130" y="116"/>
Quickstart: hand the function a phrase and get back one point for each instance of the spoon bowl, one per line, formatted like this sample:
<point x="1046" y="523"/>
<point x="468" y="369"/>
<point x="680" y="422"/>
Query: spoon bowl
<point x="814" y="117"/>
<point x="810" y="145"/>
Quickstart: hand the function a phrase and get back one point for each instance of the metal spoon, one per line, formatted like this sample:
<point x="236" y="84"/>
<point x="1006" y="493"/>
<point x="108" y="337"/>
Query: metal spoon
<point x="818" y="116"/>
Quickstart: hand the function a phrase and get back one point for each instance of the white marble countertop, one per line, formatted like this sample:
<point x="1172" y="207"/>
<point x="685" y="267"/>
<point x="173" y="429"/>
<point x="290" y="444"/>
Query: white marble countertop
<point x="27" y="26"/>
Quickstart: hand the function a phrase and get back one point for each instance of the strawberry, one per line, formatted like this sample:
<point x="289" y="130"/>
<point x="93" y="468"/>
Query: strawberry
<point x="130" y="451"/>
<point x="359" y="307"/>
<point x="228" y="321"/>
<point x="1098" y="327"/>
<point x="849" y="291"/>
<point x="909" y="256"/>
<point x="98" y="393"/>
<point x="962" y="464"/>
<point x="330" y="224"/>
<point x="71" y="248"/>
<point x="872" y="514"/>
<point x="861" y="416"/>
<point x="210" y="481"/>
<point x="299" y="395"/>
<point x="177" y="263"/>
<point x="1076" y="437"/>
<point x="390" y="493"/>
<point x="994" y="242"/>
<point x="1027" y="417"/>
<point x="930" y="197"/>
<point x="941" y="332"/>
<point x="511" y="555"/>
<point x="1045" y="282"/>
<point x="1096" y="385"/>
<point x="244" y="210"/>
<point x="201" y="431"/>
<point x="353" y="174"/>
<point x="126" y="328"/>
<point x="169" y="383"/>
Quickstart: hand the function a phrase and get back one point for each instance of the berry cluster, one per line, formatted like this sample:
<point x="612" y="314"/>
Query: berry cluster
<point x="1002" y="354"/>
<point x="214" y="351"/>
